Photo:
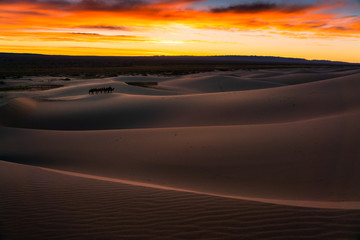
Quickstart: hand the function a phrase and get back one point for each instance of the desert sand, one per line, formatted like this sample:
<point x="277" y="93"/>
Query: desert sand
<point x="261" y="154"/>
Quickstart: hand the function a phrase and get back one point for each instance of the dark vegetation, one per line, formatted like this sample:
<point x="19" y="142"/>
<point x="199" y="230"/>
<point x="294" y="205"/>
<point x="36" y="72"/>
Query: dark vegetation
<point x="30" y="87"/>
<point x="18" y="65"/>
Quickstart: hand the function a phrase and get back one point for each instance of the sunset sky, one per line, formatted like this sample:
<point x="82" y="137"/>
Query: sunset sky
<point x="326" y="29"/>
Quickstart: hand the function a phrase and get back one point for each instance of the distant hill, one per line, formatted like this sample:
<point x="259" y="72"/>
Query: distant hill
<point x="270" y="59"/>
<point x="35" y="64"/>
<point x="7" y="59"/>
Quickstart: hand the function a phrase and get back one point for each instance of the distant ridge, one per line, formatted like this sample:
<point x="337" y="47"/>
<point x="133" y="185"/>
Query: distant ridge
<point x="225" y="58"/>
<point x="271" y="59"/>
<point x="21" y="64"/>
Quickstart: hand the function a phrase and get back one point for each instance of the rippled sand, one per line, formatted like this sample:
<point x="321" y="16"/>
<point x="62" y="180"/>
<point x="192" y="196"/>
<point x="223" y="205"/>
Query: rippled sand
<point x="263" y="154"/>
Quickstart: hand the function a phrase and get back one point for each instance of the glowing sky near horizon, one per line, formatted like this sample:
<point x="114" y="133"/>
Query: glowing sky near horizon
<point x="323" y="29"/>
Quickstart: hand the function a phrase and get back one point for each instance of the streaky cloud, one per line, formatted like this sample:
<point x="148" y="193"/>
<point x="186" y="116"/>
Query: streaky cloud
<point x="107" y="27"/>
<point x="258" y="7"/>
<point x="104" y="5"/>
<point x="91" y="5"/>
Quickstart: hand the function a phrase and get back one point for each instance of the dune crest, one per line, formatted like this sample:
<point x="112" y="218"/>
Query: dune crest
<point x="297" y="203"/>
<point x="68" y="207"/>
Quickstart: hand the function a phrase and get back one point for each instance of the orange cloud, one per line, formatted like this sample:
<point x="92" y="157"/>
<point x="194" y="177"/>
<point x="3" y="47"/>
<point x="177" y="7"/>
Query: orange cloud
<point x="143" y="22"/>
<point x="102" y="14"/>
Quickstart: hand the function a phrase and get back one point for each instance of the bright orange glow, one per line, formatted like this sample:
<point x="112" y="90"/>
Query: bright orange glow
<point x="172" y="27"/>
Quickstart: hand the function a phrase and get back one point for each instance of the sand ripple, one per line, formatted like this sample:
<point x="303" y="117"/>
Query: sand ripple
<point x="80" y="208"/>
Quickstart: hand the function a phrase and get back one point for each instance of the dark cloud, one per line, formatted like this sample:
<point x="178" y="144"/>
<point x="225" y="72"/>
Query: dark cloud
<point x="90" y="34"/>
<point x="340" y="28"/>
<point x="121" y="28"/>
<point x="260" y="7"/>
<point x="23" y="12"/>
<point x="103" y="5"/>
<point x="99" y="36"/>
<point x="107" y="5"/>
<point x="92" y="5"/>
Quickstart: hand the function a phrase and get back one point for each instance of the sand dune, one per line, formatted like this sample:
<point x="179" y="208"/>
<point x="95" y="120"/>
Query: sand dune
<point x="142" y="78"/>
<point x="301" y="77"/>
<point x="204" y="84"/>
<point x="120" y="87"/>
<point x="37" y="204"/>
<point x="195" y="157"/>
<point x="306" y="160"/>
<point x="264" y="106"/>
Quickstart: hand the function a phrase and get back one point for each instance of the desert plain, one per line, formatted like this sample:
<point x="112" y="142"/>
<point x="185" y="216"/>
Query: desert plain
<point x="243" y="154"/>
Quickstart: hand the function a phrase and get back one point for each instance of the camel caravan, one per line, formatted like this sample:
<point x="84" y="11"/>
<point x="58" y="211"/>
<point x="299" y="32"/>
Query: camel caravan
<point x="93" y="91"/>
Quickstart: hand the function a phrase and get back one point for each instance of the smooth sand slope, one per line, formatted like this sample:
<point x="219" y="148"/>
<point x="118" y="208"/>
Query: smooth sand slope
<point x="307" y="160"/>
<point x="178" y="161"/>
<point x="37" y="204"/>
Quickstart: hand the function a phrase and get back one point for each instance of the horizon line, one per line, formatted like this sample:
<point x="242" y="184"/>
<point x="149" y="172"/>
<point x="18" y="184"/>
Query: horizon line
<point x="218" y="55"/>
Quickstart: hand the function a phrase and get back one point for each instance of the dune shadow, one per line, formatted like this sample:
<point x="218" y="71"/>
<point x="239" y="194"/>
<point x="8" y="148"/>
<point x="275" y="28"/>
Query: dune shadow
<point x="143" y="84"/>
<point x="25" y="160"/>
<point x="1" y="230"/>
